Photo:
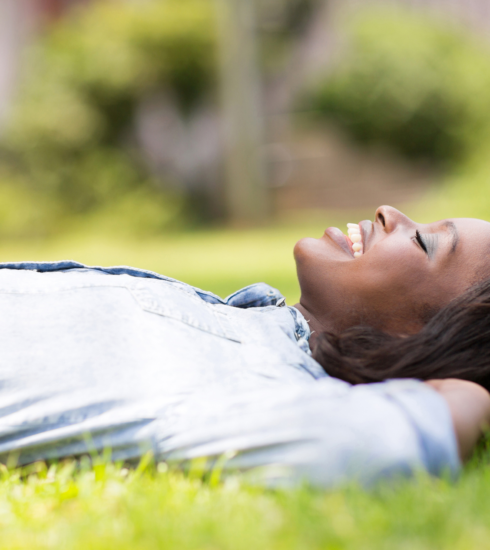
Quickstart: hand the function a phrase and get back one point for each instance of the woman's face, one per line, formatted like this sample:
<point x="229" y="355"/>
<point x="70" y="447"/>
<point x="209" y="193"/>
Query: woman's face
<point x="407" y="271"/>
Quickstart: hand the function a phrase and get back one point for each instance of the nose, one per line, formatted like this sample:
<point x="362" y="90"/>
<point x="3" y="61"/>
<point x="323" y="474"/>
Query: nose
<point x="391" y="218"/>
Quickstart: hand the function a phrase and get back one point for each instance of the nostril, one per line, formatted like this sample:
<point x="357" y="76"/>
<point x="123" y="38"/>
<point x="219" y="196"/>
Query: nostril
<point x="381" y="219"/>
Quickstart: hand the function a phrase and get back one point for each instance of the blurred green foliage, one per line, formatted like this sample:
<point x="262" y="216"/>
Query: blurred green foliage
<point x="69" y="152"/>
<point x="416" y="84"/>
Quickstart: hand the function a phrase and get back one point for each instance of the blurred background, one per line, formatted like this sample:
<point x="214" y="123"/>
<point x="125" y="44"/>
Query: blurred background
<point x="202" y="138"/>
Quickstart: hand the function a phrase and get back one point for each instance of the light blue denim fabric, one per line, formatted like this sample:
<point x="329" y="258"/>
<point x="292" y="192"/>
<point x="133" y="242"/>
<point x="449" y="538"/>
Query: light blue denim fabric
<point x="130" y="360"/>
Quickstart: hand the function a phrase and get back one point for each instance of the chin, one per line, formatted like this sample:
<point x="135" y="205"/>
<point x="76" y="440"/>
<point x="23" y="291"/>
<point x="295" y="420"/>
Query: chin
<point x="305" y="249"/>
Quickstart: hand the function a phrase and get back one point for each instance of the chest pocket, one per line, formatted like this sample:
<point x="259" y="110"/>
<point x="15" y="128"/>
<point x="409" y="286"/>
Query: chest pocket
<point x="170" y="301"/>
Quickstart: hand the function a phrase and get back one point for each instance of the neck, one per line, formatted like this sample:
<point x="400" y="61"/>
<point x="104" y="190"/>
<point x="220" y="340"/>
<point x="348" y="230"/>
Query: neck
<point x="317" y="324"/>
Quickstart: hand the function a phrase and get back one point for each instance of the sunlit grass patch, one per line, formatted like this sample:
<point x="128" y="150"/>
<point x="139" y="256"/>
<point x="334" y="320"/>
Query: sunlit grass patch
<point x="101" y="505"/>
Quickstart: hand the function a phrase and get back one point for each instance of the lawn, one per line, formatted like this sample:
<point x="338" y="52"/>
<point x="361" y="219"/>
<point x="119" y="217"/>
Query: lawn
<point x="69" y="506"/>
<point x="107" y="506"/>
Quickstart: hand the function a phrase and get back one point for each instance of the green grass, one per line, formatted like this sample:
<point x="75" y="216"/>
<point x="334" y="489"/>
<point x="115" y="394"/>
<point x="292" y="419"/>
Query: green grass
<point x="106" y="506"/>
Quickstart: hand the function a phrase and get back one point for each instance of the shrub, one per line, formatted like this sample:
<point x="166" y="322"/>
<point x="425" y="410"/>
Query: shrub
<point x="413" y="83"/>
<point x="70" y="137"/>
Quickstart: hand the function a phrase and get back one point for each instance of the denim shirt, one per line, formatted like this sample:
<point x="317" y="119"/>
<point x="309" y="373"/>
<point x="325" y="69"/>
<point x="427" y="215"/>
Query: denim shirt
<point x="130" y="360"/>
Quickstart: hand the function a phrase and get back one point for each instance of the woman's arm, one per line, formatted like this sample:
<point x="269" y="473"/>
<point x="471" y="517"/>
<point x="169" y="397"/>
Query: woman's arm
<point x="469" y="404"/>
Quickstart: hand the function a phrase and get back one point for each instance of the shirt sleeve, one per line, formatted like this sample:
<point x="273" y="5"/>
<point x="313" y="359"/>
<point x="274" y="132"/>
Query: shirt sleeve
<point x="327" y="434"/>
<point x="431" y="419"/>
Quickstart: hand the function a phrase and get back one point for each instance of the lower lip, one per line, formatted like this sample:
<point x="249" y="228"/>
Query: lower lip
<point x="340" y="239"/>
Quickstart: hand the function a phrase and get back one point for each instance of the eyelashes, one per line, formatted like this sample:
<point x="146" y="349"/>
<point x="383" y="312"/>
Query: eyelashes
<point x="421" y="242"/>
<point x="428" y="243"/>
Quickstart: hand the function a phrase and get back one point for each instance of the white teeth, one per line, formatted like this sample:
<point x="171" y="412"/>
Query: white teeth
<point x="354" y="233"/>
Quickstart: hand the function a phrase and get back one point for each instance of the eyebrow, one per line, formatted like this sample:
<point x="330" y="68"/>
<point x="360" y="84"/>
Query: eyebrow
<point x="454" y="232"/>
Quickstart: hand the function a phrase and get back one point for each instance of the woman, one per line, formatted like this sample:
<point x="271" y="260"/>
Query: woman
<point x="414" y="303"/>
<point x="130" y="360"/>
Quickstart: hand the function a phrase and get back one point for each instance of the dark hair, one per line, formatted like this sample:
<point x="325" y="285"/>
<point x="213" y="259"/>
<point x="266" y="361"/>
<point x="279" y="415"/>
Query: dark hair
<point x="455" y="343"/>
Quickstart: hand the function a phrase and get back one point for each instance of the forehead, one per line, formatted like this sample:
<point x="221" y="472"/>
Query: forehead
<point x="473" y="241"/>
<point x="468" y="229"/>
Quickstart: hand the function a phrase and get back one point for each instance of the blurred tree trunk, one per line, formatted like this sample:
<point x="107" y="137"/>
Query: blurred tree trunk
<point x="247" y="197"/>
<point x="13" y="15"/>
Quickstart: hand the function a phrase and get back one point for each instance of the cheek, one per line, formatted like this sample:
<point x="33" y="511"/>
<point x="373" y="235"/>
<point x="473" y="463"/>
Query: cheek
<point x="394" y="272"/>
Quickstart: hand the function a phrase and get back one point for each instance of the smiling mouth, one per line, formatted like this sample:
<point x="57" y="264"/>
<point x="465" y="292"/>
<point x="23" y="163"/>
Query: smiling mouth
<point x="352" y="243"/>
<point x="355" y="237"/>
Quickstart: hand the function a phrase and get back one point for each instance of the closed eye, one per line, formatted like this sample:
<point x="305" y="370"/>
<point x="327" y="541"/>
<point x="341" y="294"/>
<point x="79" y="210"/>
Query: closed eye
<point x="428" y="243"/>
<point x="420" y="241"/>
